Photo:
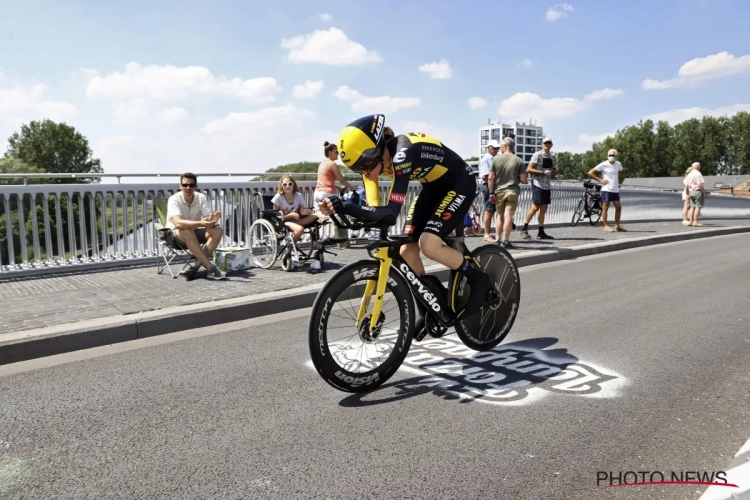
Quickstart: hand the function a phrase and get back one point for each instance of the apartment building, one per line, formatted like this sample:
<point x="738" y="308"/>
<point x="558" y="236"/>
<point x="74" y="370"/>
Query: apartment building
<point x="528" y="137"/>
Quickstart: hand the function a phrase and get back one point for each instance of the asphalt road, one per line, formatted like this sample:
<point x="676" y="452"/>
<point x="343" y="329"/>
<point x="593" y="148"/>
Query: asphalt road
<point x="630" y="361"/>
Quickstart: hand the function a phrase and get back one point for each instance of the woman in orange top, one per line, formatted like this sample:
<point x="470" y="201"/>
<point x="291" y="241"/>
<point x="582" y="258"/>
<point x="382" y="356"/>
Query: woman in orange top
<point x="328" y="174"/>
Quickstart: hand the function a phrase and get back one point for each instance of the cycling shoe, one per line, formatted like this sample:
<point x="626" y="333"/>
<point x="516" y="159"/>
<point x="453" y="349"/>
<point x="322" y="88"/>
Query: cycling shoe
<point x="479" y="287"/>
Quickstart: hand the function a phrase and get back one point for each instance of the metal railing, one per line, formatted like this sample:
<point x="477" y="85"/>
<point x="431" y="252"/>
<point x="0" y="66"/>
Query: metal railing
<point x="46" y="226"/>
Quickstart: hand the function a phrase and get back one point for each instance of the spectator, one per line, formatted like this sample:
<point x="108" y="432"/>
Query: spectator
<point x="192" y="222"/>
<point x="290" y="202"/>
<point x="328" y="174"/>
<point x="504" y="183"/>
<point x="696" y="193"/>
<point x="485" y="165"/>
<point x="686" y="210"/>
<point x="542" y="167"/>
<point x="613" y="174"/>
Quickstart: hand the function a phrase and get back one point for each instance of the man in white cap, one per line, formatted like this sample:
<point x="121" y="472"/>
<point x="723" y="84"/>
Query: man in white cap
<point x="542" y="167"/>
<point x="613" y="174"/>
<point x="485" y="165"/>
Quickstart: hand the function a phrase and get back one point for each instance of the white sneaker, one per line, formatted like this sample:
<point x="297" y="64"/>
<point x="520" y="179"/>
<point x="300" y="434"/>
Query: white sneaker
<point x="315" y="264"/>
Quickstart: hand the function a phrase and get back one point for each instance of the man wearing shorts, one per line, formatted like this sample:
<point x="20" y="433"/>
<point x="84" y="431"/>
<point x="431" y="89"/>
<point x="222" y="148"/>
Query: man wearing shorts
<point x="193" y="224"/>
<point x="542" y="167"/>
<point x="505" y="180"/>
<point x="612" y="174"/>
<point x="485" y="165"/>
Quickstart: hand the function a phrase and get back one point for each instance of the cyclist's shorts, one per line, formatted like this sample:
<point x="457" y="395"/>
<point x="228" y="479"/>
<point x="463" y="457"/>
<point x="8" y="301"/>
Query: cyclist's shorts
<point x="440" y="209"/>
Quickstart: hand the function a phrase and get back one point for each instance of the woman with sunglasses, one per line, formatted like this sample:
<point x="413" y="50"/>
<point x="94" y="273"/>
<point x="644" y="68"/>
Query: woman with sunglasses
<point x="290" y="202"/>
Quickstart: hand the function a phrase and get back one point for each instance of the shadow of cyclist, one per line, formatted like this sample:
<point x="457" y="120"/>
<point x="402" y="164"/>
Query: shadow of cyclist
<point x="510" y="373"/>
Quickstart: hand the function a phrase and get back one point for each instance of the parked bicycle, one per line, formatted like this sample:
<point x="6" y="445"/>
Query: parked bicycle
<point x="362" y="321"/>
<point x="590" y="204"/>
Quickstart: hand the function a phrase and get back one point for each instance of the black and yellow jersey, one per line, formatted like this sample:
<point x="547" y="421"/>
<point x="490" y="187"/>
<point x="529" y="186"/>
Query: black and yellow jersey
<point x="416" y="157"/>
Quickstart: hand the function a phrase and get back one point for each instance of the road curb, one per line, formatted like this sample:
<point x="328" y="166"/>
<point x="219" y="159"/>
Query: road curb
<point x="25" y="345"/>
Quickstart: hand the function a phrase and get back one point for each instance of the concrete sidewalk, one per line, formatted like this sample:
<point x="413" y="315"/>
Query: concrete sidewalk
<point x="141" y="303"/>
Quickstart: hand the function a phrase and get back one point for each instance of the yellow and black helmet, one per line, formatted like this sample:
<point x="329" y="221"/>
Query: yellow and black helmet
<point x="361" y="143"/>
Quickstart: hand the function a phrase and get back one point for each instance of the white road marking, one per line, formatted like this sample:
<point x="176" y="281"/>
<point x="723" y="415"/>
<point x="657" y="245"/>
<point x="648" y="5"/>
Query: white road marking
<point x="738" y="473"/>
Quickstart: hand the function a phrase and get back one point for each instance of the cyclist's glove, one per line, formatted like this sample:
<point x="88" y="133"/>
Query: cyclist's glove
<point x="338" y="206"/>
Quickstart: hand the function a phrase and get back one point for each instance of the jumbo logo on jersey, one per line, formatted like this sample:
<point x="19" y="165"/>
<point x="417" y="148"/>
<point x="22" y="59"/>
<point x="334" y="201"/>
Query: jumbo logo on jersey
<point x="400" y="157"/>
<point x="444" y="204"/>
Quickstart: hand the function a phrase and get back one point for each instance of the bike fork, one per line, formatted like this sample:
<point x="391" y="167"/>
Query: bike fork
<point x="378" y="287"/>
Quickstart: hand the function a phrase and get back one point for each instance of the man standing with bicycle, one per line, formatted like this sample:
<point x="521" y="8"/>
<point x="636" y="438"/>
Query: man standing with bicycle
<point x="613" y="174"/>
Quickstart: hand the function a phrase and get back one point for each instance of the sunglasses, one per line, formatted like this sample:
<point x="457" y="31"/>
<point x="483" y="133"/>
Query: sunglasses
<point x="188" y="185"/>
<point x="288" y="184"/>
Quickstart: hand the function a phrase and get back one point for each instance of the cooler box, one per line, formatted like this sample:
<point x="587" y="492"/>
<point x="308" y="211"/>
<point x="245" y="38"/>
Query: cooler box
<point x="232" y="258"/>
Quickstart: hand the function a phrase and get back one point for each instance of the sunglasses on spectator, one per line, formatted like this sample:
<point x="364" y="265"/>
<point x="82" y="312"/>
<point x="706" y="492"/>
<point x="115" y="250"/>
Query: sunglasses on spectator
<point x="188" y="185"/>
<point x="287" y="184"/>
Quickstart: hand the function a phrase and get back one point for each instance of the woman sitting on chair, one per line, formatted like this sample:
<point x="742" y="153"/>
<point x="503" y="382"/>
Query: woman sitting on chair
<point x="289" y="201"/>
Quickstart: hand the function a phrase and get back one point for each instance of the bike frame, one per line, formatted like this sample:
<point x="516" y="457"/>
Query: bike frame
<point x="386" y="252"/>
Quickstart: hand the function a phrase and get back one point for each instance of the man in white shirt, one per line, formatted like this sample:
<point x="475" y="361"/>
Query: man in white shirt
<point x="612" y="175"/>
<point x="485" y="165"/>
<point x="192" y="222"/>
<point x="696" y="193"/>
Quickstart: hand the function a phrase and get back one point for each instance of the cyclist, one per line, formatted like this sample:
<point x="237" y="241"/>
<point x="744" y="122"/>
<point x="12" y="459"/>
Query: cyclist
<point x="368" y="147"/>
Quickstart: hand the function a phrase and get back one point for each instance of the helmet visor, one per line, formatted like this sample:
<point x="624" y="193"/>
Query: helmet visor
<point x="369" y="160"/>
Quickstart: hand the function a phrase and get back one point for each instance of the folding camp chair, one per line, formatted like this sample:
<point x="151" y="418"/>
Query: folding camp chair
<point x="171" y="250"/>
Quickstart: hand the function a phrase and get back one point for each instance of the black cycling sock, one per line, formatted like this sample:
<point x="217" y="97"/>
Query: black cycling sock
<point x="479" y="283"/>
<point x="541" y="229"/>
<point x="525" y="226"/>
<point x="469" y="270"/>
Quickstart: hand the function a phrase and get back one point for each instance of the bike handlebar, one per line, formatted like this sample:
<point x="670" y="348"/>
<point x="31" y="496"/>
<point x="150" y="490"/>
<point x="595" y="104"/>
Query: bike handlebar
<point x="344" y="223"/>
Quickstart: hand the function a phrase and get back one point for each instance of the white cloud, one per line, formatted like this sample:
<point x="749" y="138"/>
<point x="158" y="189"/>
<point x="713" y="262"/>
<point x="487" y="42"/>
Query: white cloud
<point x="325" y="17"/>
<point x="584" y="143"/>
<point x="459" y="140"/>
<point x="525" y="105"/>
<point x="526" y="63"/>
<point x="19" y="104"/>
<point x="558" y="11"/>
<point x="172" y="82"/>
<point x="238" y="143"/>
<point x="260" y="121"/>
<point x="330" y="46"/>
<point x="675" y="116"/>
<point x="440" y="70"/>
<point x="173" y="115"/>
<point x="607" y="93"/>
<point x="308" y="90"/>
<point x="383" y="104"/>
<point x="130" y="113"/>
<point x="477" y="102"/>
<point x="702" y="69"/>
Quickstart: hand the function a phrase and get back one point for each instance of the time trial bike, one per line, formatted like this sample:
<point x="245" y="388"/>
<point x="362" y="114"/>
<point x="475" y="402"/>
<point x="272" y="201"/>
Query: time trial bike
<point x="362" y="322"/>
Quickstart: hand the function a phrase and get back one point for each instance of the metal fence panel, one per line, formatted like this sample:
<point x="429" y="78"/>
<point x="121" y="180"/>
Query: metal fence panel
<point x="115" y="222"/>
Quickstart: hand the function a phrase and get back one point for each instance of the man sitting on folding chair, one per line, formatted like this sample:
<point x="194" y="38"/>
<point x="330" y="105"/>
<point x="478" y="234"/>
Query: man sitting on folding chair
<point x="192" y="222"/>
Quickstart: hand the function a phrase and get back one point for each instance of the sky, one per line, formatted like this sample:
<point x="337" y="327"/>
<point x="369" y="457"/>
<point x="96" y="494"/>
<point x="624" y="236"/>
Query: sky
<point x="239" y="87"/>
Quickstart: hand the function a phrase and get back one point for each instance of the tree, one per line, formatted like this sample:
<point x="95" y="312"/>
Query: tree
<point x="13" y="166"/>
<point x="473" y="158"/>
<point x="54" y="148"/>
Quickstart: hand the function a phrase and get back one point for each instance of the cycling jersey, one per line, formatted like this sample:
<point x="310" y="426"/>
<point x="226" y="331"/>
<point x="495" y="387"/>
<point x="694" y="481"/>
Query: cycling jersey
<point x="421" y="158"/>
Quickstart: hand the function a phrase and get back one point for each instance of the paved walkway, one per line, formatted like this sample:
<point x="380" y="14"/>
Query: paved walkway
<point x="36" y="302"/>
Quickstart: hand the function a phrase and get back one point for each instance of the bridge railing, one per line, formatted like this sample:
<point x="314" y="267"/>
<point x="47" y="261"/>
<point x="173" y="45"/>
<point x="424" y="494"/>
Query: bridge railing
<point x="48" y="226"/>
